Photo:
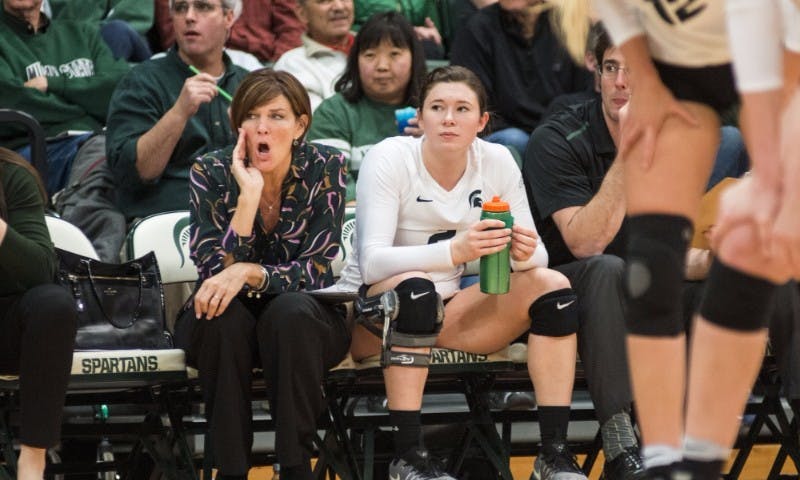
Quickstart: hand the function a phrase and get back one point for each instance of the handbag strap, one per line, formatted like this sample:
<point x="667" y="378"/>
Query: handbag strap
<point x="110" y="319"/>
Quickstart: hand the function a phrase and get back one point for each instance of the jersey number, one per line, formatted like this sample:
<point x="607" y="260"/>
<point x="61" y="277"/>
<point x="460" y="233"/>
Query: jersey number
<point x="438" y="237"/>
<point x="682" y="10"/>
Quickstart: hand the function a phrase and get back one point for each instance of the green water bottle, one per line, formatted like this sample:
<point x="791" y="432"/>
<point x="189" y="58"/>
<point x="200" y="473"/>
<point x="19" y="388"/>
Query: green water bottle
<point x="496" y="268"/>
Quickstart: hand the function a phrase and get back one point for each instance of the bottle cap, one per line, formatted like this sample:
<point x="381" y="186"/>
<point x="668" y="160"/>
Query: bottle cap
<point x="496" y="205"/>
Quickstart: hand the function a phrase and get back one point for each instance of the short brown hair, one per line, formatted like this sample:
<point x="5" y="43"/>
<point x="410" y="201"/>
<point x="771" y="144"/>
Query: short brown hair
<point x="262" y="86"/>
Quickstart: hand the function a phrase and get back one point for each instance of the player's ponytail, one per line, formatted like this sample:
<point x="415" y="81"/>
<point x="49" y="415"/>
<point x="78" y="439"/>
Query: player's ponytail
<point x="572" y="21"/>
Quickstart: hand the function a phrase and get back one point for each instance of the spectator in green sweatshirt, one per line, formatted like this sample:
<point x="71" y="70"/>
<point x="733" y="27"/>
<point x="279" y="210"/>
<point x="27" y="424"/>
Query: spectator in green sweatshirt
<point x="60" y="72"/>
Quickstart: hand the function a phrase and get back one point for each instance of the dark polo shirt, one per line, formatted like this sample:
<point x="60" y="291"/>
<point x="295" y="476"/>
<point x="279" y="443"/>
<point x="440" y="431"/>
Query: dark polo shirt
<point x="564" y="166"/>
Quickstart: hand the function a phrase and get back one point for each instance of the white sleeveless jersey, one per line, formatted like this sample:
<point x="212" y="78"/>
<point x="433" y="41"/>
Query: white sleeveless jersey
<point x="693" y="33"/>
<point x="405" y="219"/>
<point x="688" y="33"/>
<point x="759" y="29"/>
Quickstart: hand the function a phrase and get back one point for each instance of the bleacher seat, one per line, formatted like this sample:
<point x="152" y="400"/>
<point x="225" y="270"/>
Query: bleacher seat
<point x="348" y="234"/>
<point x="68" y="237"/>
<point x="167" y="235"/>
<point x="114" y="378"/>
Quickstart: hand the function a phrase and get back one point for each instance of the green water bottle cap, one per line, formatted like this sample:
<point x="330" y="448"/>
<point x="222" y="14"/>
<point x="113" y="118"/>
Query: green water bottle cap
<point x="496" y="205"/>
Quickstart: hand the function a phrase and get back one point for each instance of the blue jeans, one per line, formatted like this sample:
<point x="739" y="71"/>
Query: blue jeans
<point x="732" y="158"/>
<point x="60" y="155"/>
<point x="469" y="280"/>
<point x="125" y="43"/>
<point x="510" y="137"/>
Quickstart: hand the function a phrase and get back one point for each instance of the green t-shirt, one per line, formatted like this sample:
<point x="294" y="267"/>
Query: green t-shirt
<point x="81" y="76"/>
<point x="353" y="128"/>
<point x="414" y="10"/>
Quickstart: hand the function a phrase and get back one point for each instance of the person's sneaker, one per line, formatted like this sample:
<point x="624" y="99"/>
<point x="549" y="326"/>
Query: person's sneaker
<point x="659" y="473"/>
<point x="417" y="465"/>
<point x="686" y="470"/>
<point x="698" y="470"/>
<point x="512" y="401"/>
<point x="627" y="465"/>
<point x="556" y="462"/>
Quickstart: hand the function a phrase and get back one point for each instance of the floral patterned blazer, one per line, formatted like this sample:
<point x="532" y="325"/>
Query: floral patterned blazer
<point x="297" y="253"/>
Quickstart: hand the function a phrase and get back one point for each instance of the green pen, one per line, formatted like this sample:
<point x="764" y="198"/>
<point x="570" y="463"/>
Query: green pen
<point x="222" y="92"/>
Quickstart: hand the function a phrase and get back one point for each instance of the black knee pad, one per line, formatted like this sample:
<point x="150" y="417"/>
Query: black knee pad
<point x="419" y="307"/>
<point x="409" y="315"/>
<point x="654" y="273"/>
<point x="555" y="314"/>
<point x="736" y="300"/>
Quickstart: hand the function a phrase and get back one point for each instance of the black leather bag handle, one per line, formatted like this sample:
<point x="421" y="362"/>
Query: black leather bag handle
<point x="135" y="314"/>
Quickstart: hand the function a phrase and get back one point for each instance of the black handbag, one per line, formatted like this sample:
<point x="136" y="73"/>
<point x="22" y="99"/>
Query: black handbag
<point x="120" y="306"/>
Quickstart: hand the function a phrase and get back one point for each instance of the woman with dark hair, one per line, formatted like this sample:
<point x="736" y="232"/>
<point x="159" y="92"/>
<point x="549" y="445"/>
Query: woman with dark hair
<point x="266" y="219"/>
<point x="384" y="71"/>
<point x="37" y="317"/>
<point x="418" y="225"/>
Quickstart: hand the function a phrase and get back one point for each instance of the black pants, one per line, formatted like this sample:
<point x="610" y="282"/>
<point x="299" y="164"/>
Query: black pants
<point x="38" y="334"/>
<point x="597" y="281"/>
<point x="296" y="340"/>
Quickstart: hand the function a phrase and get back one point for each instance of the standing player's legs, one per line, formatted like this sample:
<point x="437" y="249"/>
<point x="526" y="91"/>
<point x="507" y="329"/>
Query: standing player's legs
<point x="663" y="198"/>
<point x="727" y="348"/>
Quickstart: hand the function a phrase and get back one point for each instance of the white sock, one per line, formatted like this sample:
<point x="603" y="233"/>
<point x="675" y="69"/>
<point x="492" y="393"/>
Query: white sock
<point x="704" y="450"/>
<point x="660" y="455"/>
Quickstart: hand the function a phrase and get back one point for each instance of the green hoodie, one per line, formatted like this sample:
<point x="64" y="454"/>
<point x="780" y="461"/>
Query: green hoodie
<point x="353" y="128"/>
<point x="81" y="75"/>
<point x="137" y="13"/>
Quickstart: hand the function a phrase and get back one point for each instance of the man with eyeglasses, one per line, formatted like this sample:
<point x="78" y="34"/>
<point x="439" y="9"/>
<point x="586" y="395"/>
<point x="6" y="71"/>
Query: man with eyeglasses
<point x="267" y="29"/>
<point x="163" y="115"/>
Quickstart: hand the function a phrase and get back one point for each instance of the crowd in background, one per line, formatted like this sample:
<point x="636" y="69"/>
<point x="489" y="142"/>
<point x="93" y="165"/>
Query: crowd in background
<point x="259" y="116"/>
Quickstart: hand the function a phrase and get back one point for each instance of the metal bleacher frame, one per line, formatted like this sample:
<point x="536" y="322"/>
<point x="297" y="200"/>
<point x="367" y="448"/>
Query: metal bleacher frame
<point x="156" y="396"/>
<point x="347" y="448"/>
<point x="141" y="407"/>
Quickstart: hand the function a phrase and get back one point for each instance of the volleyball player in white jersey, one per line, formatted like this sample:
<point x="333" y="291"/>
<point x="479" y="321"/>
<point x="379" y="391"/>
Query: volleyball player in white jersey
<point x="418" y="224"/>
<point x="679" y="60"/>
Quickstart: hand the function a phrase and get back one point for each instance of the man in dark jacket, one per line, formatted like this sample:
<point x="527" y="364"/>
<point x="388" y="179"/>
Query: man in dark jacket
<point x="163" y="115"/>
<point x="513" y="49"/>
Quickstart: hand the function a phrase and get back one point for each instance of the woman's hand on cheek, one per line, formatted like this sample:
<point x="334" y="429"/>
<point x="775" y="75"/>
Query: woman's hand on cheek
<point x="247" y="177"/>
